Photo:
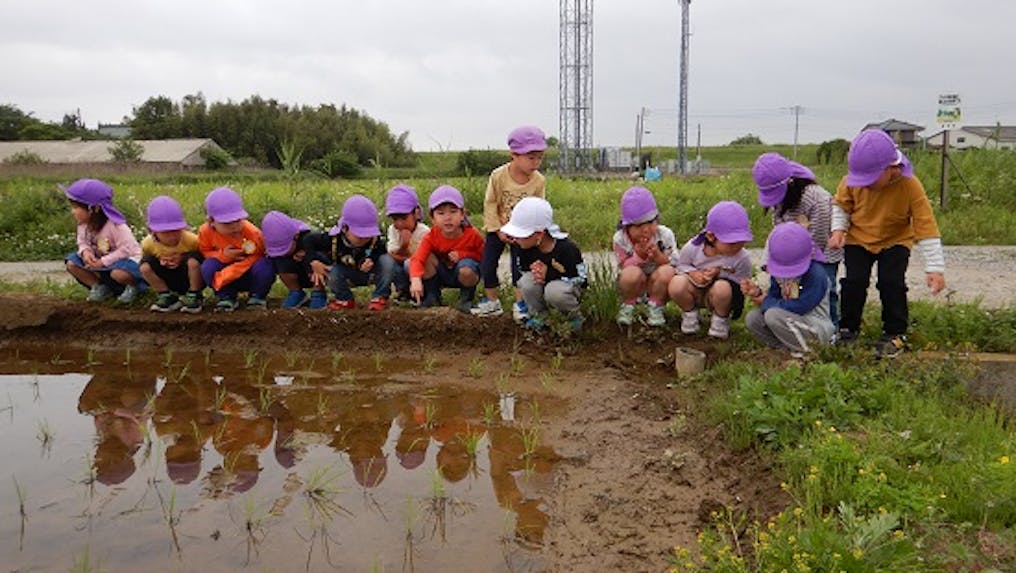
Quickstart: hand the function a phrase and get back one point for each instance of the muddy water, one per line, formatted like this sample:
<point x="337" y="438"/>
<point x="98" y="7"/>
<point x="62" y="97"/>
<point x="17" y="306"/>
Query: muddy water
<point x="213" y="463"/>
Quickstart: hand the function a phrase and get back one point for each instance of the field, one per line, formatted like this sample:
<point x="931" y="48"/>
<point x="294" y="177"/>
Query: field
<point x="420" y="440"/>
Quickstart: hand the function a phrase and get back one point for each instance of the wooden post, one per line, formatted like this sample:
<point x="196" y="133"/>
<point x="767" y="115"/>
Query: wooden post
<point x="945" y="170"/>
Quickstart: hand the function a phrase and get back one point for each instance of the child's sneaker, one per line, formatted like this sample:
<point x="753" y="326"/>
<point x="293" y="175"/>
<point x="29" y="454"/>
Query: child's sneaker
<point x="654" y="315"/>
<point x="487" y="307"/>
<point x="520" y="311"/>
<point x="719" y="327"/>
<point x="257" y="303"/>
<point x="845" y="336"/>
<point x="690" y="321"/>
<point x="128" y="294"/>
<point x="342" y="304"/>
<point x="191" y="303"/>
<point x="465" y="305"/>
<point x="166" y="302"/>
<point x="318" y="299"/>
<point x="225" y="305"/>
<point x="575" y="322"/>
<point x="535" y="323"/>
<point x="295" y="299"/>
<point x="890" y="345"/>
<point x="626" y="314"/>
<point x="99" y="292"/>
<point x="378" y="303"/>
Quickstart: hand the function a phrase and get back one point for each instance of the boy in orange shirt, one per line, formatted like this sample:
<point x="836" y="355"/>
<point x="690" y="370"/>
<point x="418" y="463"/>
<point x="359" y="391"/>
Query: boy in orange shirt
<point x="449" y="254"/>
<point x="234" y="252"/>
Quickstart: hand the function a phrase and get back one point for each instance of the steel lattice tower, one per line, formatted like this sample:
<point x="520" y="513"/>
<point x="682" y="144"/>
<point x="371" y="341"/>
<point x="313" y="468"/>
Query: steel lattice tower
<point x="682" y="104"/>
<point x="576" y="85"/>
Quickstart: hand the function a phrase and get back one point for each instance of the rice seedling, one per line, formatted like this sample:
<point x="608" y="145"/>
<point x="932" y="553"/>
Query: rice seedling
<point x="265" y="399"/>
<point x="437" y="485"/>
<point x="348" y="376"/>
<point x="262" y="369"/>
<point x="320" y="490"/>
<point x="337" y="358"/>
<point x="489" y="413"/>
<point x="254" y="518"/>
<point x="9" y="408"/>
<point x="547" y="381"/>
<point x="518" y="364"/>
<point x="410" y="518"/>
<point x="556" y="361"/>
<point x="35" y="387"/>
<point x="429" y="414"/>
<point x="220" y="397"/>
<point x="83" y="562"/>
<point x="170" y="515"/>
<point x="249" y="358"/>
<point x="45" y="434"/>
<point x="471" y="441"/>
<point x="322" y="406"/>
<point x="291" y="359"/>
<point x="127" y="357"/>
<point x="21" y="509"/>
<point x="90" y="357"/>
<point x="182" y="374"/>
<point x="476" y="368"/>
<point x="429" y="363"/>
<point x="534" y="413"/>
<point x="168" y="355"/>
<point x="56" y="359"/>
<point x="208" y="356"/>
<point x="530" y="441"/>
<point x="379" y="360"/>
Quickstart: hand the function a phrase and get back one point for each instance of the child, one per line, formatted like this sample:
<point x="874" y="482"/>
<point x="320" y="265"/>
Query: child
<point x="404" y="234"/>
<point x="507" y="185"/>
<point x="795" y="313"/>
<point x="106" y="261"/>
<point x="355" y="248"/>
<point x="553" y="272"/>
<point x="170" y="260"/>
<point x="644" y="249"/>
<point x="879" y="213"/>
<point x="449" y="254"/>
<point x="234" y="252"/>
<point x="711" y="266"/>
<point x="283" y="236"/>
<point x="789" y="188"/>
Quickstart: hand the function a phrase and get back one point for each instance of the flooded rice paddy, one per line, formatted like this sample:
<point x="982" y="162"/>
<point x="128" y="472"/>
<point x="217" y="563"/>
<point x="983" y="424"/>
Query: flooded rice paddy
<point x="207" y="462"/>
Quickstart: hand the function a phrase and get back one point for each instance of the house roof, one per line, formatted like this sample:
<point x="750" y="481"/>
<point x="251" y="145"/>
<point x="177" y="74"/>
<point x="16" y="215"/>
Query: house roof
<point x="184" y="151"/>
<point x="894" y="125"/>
<point x="1000" y="132"/>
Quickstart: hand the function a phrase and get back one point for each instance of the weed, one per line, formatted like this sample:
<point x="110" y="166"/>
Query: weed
<point x="502" y="383"/>
<point x="476" y="368"/>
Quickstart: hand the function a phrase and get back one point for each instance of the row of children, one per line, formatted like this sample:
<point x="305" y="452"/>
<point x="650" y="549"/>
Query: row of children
<point x="879" y="212"/>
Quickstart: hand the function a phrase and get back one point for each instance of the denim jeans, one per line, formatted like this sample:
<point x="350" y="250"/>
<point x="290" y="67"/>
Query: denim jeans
<point x="105" y="273"/>
<point x="343" y="277"/>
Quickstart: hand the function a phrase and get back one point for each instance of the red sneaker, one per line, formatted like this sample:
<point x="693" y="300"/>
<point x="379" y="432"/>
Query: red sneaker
<point x="378" y="303"/>
<point x="342" y="304"/>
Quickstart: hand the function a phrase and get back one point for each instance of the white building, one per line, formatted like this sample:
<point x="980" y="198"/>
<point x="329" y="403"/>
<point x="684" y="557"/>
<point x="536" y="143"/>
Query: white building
<point x="979" y="136"/>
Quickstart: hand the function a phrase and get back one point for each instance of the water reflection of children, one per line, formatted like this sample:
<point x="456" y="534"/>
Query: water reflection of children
<point x="411" y="446"/>
<point x="508" y="464"/>
<point x="118" y="406"/>
<point x="363" y="431"/>
<point x="243" y="433"/>
<point x="183" y="420"/>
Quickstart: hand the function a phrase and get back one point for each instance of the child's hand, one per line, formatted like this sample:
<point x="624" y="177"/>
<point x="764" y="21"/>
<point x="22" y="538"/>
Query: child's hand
<point x="170" y="261"/>
<point x="837" y="239"/>
<point x="539" y="271"/>
<point x="936" y="282"/>
<point x="299" y="255"/>
<point x="752" y="291"/>
<point x="366" y="265"/>
<point x="453" y="256"/>
<point x="642" y="250"/>
<point x="90" y="260"/>
<point x="416" y="288"/>
<point x="233" y="253"/>
<point x="319" y="273"/>
<point x="405" y="237"/>
<point x="504" y="238"/>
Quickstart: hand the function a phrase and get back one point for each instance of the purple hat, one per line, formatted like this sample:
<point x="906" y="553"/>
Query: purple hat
<point x="729" y="222"/>
<point x="791" y="251"/>
<point x="360" y="215"/>
<point x="527" y="138"/>
<point x="93" y="192"/>
<point x="445" y="194"/>
<point x="772" y="172"/>
<point x="279" y="229"/>
<point x="638" y="206"/>
<point x="401" y="200"/>
<point x="165" y="214"/>
<point x="224" y="205"/>
<point x="870" y="154"/>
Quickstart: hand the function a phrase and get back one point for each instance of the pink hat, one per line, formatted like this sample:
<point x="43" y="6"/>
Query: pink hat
<point x="772" y="172"/>
<point x="791" y="251"/>
<point x="224" y="205"/>
<point x="279" y="229"/>
<point x="165" y="214"/>
<point x="93" y="192"/>
<point x="401" y="200"/>
<point x="360" y="215"/>
<point x="638" y="206"/>
<point x="527" y="138"/>
<point x="728" y="221"/>
<point x="871" y="152"/>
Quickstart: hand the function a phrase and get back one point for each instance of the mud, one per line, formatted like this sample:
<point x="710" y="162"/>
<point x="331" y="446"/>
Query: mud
<point x="639" y="469"/>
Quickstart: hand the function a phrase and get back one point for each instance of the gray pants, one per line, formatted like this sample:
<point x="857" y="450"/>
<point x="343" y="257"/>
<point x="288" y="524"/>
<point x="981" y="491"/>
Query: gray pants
<point x="558" y="295"/>
<point x="780" y="328"/>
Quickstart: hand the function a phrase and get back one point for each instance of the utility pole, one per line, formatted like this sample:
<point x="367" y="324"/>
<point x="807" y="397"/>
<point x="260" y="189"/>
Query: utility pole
<point x="943" y="186"/>
<point x="797" y="116"/>
<point x="682" y="104"/>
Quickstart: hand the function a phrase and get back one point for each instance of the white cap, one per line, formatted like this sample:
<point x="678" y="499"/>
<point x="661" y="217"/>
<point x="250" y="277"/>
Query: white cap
<point x="530" y="215"/>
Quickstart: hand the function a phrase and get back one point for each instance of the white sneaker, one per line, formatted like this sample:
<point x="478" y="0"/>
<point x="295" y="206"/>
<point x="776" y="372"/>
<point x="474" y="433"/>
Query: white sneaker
<point x="690" y="321"/>
<point x="719" y="327"/>
<point x="520" y="311"/>
<point x="99" y="292"/>
<point x="487" y="307"/>
<point x="654" y="315"/>
<point x="128" y="294"/>
<point x="626" y="314"/>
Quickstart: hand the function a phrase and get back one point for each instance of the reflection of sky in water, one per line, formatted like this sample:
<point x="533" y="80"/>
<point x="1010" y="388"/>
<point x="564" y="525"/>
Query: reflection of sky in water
<point x="127" y="450"/>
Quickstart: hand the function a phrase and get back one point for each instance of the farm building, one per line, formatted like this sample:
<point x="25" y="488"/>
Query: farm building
<point x="171" y="153"/>
<point x="980" y="136"/>
<point x="903" y="133"/>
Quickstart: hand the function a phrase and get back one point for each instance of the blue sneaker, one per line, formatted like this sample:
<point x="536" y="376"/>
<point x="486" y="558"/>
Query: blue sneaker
<point x="225" y="305"/>
<point x="520" y="311"/>
<point x="318" y="299"/>
<point x="535" y="323"/>
<point x="295" y="299"/>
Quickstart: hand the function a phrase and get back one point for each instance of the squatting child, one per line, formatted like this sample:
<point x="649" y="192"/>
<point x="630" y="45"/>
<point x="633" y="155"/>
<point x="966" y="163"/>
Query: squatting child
<point x="170" y="259"/>
<point x="354" y="252"/>
<point x="507" y="185"/>
<point x="710" y="268"/>
<point x="405" y="233"/>
<point x="283" y="245"/>
<point x="644" y="249"/>
<point x="553" y="272"/>
<point x="234" y="252"/>
<point x="449" y="254"/>
<point x="794" y="315"/>
<point x="107" y="258"/>
<point x="880" y="211"/>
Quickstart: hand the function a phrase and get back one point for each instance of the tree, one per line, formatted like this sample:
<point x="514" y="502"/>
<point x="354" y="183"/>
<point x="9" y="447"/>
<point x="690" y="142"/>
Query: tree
<point x="157" y="118"/>
<point x="12" y="121"/>
<point x="749" y="139"/>
<point x="126" y="151"/>
<point x="552" y="141"/>
<point x="832" y="151"/>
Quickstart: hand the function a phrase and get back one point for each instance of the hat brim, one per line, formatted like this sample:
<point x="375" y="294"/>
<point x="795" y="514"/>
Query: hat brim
<point x="365" y="230"/>
<point x="230" y="216"/>
<point x="734" y="236"/>
<point x="529" y="148"/>
<point x="772" y="196"/>
<point x="168" y="226"/>
<point x="517" y="231"/>
<point x="779" y="271"/>
<point x="650" y="216"/>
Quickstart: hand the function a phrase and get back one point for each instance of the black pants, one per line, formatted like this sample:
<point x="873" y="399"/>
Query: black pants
<point x="891" y="285"/>
<point x="492" y="249"/>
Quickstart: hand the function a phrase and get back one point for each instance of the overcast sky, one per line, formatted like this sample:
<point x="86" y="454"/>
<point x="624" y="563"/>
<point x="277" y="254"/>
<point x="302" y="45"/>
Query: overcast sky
<point x="462" y="73"/>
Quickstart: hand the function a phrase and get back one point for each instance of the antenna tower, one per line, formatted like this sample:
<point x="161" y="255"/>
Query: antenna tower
<point x="576" y="85"/>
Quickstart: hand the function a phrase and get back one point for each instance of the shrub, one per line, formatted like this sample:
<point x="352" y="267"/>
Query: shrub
<point x="126" y="151"/>
<point x="833" y="151"/>
<point x="747" y="139"/>
<point x="216" y="158"/>
<point x="337" y="164"/>
<point x="25" y="157"/>
<point x="479" y="161"/>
